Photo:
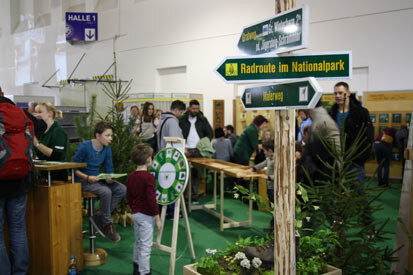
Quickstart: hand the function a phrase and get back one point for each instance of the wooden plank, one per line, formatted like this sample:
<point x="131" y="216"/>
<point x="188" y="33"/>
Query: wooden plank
<point x="54" y="223"/>
<point x="262" y="191"/>
<point x="219" y="113"/>
<point x="42" y="253"/>
<point x="58" y="166"/>
<point x="75" y="228"/>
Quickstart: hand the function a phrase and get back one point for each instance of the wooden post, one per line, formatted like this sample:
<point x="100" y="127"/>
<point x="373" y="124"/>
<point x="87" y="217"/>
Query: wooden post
<point x="284" y="181"/>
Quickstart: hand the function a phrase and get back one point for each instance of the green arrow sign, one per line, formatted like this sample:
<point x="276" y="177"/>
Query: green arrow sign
<point x="285" y="32"/>
<point x="291" y="94"/>
<point x="267" y="69"/>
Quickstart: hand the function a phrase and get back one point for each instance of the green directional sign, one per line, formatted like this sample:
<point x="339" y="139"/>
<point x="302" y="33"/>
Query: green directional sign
<point x="291" y="94"/>
<point x="267" y="69"/>
<point x="285" y="32"/>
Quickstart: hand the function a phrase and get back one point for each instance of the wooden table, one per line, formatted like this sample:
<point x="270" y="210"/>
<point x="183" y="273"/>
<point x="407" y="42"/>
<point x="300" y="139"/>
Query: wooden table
<point x="56" y="165"/>
<point x="224" y="168"/>
<point x="54" y="223"/>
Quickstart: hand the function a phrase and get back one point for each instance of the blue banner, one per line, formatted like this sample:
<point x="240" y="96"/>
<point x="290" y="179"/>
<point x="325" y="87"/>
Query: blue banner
<point x="81" y="26"/>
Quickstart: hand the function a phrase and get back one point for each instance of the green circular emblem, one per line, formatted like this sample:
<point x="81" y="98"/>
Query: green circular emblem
<point x="171" y="171"/>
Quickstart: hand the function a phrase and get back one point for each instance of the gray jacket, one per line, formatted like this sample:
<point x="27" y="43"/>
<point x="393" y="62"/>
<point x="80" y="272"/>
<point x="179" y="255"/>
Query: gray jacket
<point x="269" y="163"/>
<point x="168" y="127"/>
<point x="323" y="122"/>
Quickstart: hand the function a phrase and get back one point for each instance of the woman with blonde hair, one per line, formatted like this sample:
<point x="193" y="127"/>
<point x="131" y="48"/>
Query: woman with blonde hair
<point x="259" y="153"/>
<point x="52" y="144"/>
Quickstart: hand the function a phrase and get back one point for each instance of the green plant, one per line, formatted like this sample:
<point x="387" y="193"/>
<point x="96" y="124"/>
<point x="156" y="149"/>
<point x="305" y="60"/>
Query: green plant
<point x="313" y="252"/>
<point x="232" y="260"/>
<point x="346" y="207"/>
<point x="301" y="207"/>
<point x="84" y="127"/>
<point x="209" y="266"/>
<point x="122" y="141"/>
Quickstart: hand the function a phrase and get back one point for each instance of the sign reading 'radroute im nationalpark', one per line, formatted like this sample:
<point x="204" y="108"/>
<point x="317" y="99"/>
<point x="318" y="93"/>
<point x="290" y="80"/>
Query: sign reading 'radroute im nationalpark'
<point x="267" y="69"/>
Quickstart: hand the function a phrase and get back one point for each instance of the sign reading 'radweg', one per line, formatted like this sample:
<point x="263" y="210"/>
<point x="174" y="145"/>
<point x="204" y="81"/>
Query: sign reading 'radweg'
<point x="267" y="69"/>
<point x="299" y="93"/>
<point x="285" y="32"/>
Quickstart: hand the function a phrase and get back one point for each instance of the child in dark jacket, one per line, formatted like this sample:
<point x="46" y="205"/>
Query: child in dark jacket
<point x="141" y="197"/>
<point x="222" y="146"/>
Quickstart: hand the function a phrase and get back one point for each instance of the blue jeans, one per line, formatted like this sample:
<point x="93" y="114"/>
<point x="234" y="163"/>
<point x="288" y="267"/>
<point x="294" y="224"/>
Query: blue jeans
<point x="360" y="174"/>
<point x="143" y="230"/>
<point x="383" y="153"/>
<point x="15" y="212"/>
<point x="109" y="195"/>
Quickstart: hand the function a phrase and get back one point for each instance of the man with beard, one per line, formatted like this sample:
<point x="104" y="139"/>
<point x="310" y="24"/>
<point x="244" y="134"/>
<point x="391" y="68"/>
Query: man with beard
<point x="195" y="126"/>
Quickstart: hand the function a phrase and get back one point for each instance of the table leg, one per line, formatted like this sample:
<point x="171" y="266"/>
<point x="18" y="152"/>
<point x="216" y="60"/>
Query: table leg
<point x="215" y="190"/>
<point x="221" y="218"/>
<point x="49" y="178"/>
<point x="190" y="189"/>
<point x="250" y="203"/>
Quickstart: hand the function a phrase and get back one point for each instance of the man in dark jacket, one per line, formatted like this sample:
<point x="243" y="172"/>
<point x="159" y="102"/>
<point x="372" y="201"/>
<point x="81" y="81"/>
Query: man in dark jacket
<point x="194" y="127"/>
<point x="356" y="119"/>
<point x="13" y="200"/>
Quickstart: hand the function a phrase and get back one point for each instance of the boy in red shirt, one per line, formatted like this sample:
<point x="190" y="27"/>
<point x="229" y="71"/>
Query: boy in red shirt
<point x="141" y="197"/>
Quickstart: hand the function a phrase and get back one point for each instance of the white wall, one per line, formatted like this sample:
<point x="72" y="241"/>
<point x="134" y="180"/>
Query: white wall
<point x="195" y="35"/>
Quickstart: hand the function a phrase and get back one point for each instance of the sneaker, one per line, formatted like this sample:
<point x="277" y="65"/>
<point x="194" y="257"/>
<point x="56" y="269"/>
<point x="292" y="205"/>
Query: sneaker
<point x="110" y="233"/>
<point x="97" y="224"/>
<point x="265" y="252"/>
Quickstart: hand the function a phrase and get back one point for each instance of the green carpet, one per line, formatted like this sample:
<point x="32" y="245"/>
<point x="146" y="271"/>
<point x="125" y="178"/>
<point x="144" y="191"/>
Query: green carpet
<point x="206" y="234"/>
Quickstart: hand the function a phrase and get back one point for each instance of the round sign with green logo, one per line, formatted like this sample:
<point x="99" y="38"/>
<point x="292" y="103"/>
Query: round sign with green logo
<point x="171" y="171"/>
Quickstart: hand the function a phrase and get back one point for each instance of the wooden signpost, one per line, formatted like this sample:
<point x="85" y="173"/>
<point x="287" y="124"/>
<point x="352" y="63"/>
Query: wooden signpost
<point x="284" y="179"/>
<point x="283" y="97"/>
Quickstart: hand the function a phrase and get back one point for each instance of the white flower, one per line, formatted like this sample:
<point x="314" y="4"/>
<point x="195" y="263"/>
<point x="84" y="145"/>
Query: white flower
<point x="211" y="251"/>
<point x="240" y="256"/>
<point x="298" y="192"/>
<point x="246" y="263"/>
<point x="316" y="207"/>
<point x="236" y="195"/>
<point x="308" y="218"/>
<point x="256" y="262"/>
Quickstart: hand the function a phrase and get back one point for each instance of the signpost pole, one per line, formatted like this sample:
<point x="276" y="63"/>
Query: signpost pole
<point x="284" y="182"/>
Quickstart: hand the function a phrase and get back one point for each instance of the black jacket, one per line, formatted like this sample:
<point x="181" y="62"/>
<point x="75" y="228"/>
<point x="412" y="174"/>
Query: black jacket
<point x="15" y="188"/>
<point x="358" y="118"/>
<point x="203" y="128"/>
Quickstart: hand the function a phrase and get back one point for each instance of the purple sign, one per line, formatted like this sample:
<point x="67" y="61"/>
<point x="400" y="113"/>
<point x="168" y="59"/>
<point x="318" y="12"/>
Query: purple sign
<point x="81" y="26"/>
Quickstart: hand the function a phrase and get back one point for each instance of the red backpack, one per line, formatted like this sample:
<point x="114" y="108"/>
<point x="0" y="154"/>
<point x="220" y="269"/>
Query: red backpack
<point x="16" y="142"/>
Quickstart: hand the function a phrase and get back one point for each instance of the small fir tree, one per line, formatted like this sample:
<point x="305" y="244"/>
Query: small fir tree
<point x="339" y="202"/>
<point x="122" y="141"/>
